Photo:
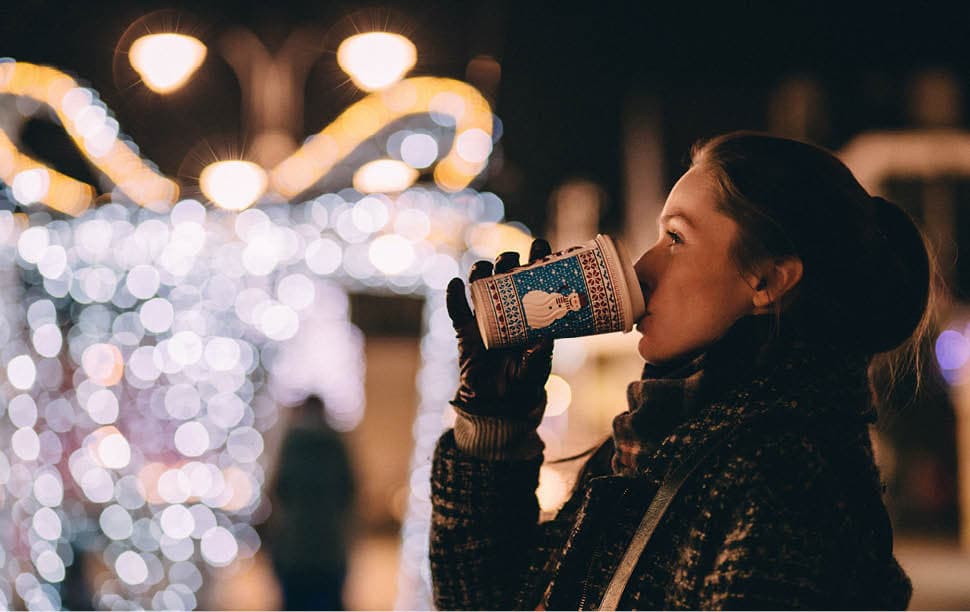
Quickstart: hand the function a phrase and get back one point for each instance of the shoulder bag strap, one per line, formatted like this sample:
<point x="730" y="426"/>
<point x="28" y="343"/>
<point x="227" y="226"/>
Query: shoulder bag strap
<point x="668" y="490"/>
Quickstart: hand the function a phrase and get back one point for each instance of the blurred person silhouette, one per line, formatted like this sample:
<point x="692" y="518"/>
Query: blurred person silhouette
<point x="312" y="495"/>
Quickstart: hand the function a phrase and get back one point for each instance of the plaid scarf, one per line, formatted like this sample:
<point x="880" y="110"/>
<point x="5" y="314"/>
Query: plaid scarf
<point x="677" y="405"/>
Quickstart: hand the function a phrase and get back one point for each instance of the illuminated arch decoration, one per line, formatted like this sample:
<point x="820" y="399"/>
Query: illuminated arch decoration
<point x="125" y="304"/>
<point x="88" y="122"/>
<point x="467" y="157"/>
<point x="95" y="133"/>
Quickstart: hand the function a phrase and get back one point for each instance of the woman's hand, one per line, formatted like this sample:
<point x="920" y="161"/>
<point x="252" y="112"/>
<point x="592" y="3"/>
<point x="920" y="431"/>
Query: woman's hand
<point x="501" y="381"/>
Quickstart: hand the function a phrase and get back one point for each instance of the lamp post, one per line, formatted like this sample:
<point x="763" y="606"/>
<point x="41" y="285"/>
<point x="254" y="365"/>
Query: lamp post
<point x="272" y="85"/>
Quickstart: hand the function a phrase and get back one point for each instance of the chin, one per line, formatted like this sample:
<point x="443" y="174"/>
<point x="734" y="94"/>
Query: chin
<point x="648" y="351"/>
<point x="658" y="355"/>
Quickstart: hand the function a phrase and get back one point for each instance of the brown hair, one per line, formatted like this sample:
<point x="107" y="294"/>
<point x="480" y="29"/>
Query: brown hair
<point x="869" y="284"/>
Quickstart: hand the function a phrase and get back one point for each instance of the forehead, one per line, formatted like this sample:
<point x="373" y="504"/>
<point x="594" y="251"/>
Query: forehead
<point x="694" y="194"/>
<point x="693" y="203"/>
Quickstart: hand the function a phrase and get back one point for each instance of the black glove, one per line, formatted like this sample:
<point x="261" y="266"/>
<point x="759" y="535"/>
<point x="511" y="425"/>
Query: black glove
<point x="501" y="381"/>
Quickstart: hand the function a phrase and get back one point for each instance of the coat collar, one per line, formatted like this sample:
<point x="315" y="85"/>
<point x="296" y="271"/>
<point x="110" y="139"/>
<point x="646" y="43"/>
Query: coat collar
<point x="741" y="377"/>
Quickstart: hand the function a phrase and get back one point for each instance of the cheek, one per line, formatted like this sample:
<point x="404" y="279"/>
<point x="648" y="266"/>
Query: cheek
<point x="688" y="313"/>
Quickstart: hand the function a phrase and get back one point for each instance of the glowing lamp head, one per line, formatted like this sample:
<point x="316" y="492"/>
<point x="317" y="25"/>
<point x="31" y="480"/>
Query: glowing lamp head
<point x="384" y="176"/>
<point x="376" y="60"/>
<point x="166" y="61"/>
<point x="233" y="185"/>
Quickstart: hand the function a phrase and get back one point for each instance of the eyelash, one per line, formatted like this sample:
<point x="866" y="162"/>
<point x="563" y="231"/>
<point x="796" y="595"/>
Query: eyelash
<point x="675" y="237"/>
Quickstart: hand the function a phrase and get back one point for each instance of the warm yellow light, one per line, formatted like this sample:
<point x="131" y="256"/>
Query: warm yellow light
<point x="233" y="185"/>
<point x="166" y="61"/>
<point x="376" y="60"/>
<point x="559" y="395"/>
<point x="95" y="134"/>
<point x="490" y="239"/>
<point x="384" y="176"/>
<point x="366" y="117"/>
<point x="553" y="489"/>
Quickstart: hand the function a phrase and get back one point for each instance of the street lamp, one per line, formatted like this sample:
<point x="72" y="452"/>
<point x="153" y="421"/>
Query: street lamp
<point x="376" y="60"/>
<point x="272" y="88"/>
<point x="165" y="62"/>
<point x="233" y="185"/>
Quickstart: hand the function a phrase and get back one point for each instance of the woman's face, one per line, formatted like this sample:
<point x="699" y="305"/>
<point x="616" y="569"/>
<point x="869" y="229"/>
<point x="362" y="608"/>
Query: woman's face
<point x="693" y="290"/>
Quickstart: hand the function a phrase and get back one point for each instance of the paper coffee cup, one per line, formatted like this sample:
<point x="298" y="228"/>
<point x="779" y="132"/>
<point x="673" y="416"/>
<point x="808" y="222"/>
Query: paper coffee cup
<point x="581" y="291"/>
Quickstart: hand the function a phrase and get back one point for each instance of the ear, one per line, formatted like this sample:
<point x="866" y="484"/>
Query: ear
<point x="774" y="282"/>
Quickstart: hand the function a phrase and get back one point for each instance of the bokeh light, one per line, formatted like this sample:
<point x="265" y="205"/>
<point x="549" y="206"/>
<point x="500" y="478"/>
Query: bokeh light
<point x="233" y="185"/>
<point x="384" y="176"/>
<point x="148" y="348"/>
<point x="166" y="61"/>
<point x="376" y="60"/>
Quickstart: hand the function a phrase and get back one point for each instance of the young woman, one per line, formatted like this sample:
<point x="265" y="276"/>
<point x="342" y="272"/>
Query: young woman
<point x="775" y="282"/>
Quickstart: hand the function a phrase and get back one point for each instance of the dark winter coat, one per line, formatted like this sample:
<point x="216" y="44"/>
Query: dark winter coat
<point x="786" y="514"/>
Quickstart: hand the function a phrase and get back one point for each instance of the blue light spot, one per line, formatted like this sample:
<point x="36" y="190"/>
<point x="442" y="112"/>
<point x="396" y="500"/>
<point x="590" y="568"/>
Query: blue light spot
<point x="952" y="350"/>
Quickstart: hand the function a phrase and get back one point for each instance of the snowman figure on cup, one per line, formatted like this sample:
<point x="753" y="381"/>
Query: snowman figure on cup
<point x="543" y="308"/>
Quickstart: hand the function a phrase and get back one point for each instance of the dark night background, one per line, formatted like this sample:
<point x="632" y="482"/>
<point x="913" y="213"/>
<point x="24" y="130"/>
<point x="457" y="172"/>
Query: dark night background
<point x="567" y="71"/>
<point x="570" y="72"/>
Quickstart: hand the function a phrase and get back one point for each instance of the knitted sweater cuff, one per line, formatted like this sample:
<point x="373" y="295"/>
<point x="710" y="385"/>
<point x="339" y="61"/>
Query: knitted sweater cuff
<point x="499" y="438"/>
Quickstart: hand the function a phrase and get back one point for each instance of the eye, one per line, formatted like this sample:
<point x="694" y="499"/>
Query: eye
<point x="674" y="238"/>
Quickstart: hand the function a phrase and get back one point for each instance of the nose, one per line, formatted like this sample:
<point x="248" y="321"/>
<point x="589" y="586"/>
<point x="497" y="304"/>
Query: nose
<point x="647" y="271"/>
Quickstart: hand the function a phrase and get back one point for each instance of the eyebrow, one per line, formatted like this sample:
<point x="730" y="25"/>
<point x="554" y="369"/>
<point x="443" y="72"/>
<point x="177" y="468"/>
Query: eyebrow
<point x="677" y="215"/>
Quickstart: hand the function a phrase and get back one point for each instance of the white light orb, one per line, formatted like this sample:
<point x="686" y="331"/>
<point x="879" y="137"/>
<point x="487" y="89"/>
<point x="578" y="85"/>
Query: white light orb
<point x="51" y="568"/>
<point x="177" y="522"/>
<point x="142" y="363"/>
<point x="143" y="281"/>
<point x="245" y="444"/>
<point x="47" y="524"/>
<point x="221" y="354"/>
<point x="114" y="451"/>
<point x="219" y="547"/>
<point x="279" y="322"/>
<point x="116" y="522"/>
<point x="47" y="340"/>
<point x="186" y="347"/>
<point x="22" y="411"/>
<point x="203" y="518"/>
<point x="97" y="484"/>
<point x="174" y="486"/>
<point x="166" y="61"/>
<point x="33" y="243"/>
<point x="53" y="262"/>
<point x="474" y="145"/>
<point x="131" y="568"/>
<point x="391" y="254"/>
<point x="156" y="315"/>
<point x="384" y="176"/>
<point x="30" y="186"/>
<point x="25" y="443"/>
<point x="419" y="150"/>
<point x="323" y="256"/>
<point x="48" y="489"/>
<point x="225" y="410"/>
<point x="182" y="401"/>
<point x="233" y="185"/>
<point x="102" y="407"/>
<point x="296" y="291"/>
<point x="376" y="60"/>
<point x="191" y="439"/>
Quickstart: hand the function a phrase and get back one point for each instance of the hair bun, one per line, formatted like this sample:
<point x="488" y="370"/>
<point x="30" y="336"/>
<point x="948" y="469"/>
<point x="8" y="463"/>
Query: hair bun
<point x="899" y="277"/>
